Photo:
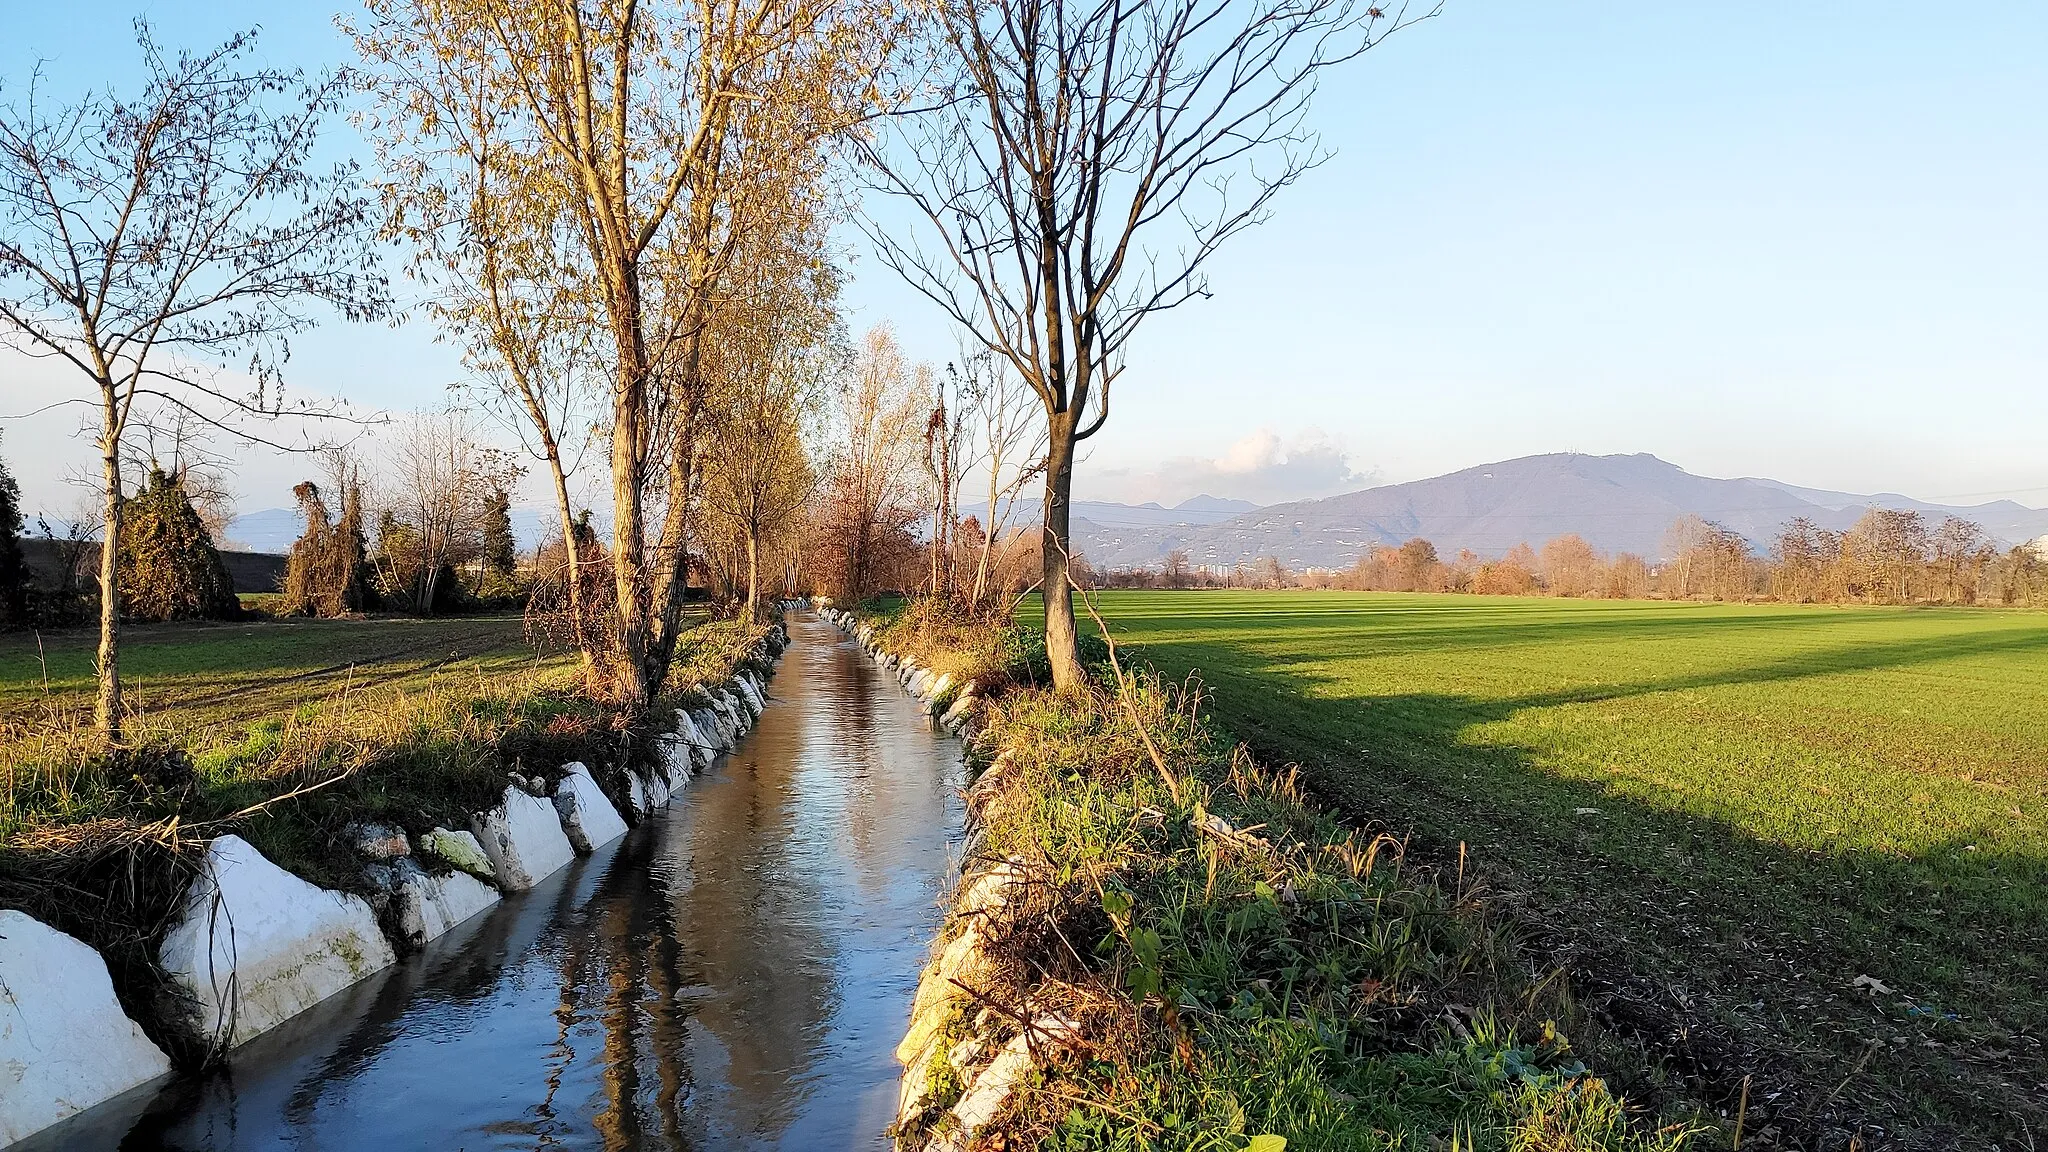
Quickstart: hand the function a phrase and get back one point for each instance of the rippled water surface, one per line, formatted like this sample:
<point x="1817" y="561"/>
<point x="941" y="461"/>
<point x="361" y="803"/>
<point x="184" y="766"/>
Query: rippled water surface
<point x="733" y="974"/>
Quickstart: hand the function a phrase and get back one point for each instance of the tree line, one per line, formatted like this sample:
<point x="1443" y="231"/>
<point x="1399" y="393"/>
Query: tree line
<point x="1888" y="556"/>
<point x="621" y="212"/>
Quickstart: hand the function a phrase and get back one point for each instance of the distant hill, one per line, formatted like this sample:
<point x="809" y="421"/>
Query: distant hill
<point x="1618" y="503"/>
<point x="271" y="530"/>
<point x="1208" y="503"/>
<point x="1104" y="515"/>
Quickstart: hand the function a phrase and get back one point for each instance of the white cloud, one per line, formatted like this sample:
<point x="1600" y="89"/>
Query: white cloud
<point x="1262" y="467"/>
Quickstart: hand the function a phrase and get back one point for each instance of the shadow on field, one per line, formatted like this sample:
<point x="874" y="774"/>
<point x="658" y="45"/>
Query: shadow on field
<point x="1714" y="954"/>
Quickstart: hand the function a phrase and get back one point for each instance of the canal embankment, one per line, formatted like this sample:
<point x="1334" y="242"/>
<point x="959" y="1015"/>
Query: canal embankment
<point x="1154" y="939"/>
<point x="176" y="944"/>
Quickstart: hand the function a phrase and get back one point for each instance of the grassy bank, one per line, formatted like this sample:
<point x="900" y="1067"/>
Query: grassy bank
<point x="1803" y="846"/>
<point x="284" y="733"/>
<point x="1241" y="965"/>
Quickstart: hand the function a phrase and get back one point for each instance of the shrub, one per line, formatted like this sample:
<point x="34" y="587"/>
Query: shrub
<point x="327" y="573"/>
<point x="168" y="568"/>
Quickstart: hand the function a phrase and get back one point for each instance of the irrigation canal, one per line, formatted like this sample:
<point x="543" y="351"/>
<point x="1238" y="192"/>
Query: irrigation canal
<point x="733" y="974"/>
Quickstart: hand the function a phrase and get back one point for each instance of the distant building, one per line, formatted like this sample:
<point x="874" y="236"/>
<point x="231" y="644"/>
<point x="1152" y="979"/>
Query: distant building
<point x="2039" y="547"/>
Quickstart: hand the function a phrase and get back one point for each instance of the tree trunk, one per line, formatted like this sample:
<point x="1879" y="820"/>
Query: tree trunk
<point x="988" y="535"/>
<point x="753" y="574"/>
<point x="108" y="712"/>
<point x="673" y="586"/>
<point x="629" y="606"/>
<point x="571" y="552"/>
<point x="429" y="584"/>
<point x="1062" y="648"/>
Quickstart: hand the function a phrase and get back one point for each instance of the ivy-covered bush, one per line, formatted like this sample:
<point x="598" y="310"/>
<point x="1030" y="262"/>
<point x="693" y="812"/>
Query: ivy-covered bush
<point x="168" y="568"/>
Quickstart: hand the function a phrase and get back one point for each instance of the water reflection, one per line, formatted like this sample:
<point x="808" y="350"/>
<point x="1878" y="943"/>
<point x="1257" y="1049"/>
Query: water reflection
<point x="733" y="974"/>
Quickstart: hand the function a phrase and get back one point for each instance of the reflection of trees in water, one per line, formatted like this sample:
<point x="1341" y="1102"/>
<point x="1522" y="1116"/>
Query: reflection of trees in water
<point x="751" y="921"/>
<point x="616" y="965"/>
<point x="879" y="752"/>
<point x="849" y="748"/>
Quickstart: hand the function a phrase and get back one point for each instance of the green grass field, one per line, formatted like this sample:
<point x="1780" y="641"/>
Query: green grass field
<point x="186" y="676"/>
<point x="252" y="704"/>
<point x="1804" y="845"/>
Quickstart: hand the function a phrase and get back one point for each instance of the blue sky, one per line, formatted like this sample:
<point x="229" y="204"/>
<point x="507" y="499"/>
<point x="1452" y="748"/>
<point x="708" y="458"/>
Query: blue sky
<point x="1804" y="241"/>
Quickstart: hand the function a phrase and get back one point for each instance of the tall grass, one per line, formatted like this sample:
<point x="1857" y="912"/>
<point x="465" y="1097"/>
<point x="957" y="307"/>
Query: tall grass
<point x="1241" y="964"/>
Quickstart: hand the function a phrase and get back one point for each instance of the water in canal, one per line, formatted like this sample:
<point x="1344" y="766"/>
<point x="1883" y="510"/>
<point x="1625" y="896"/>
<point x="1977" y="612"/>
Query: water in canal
<point x="733" y="974"/>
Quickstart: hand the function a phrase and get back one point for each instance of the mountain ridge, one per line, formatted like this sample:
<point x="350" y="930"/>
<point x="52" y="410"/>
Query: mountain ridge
<point x="1618" y="503"/>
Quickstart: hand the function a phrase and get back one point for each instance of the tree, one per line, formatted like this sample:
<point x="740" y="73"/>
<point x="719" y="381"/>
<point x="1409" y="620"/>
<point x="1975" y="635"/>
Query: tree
<point x="1960" y="550"/>
<point x="778" y="350"/>
<point x="1082" y="165"/>
<point x="1417" y="562"/>
<point x="662" y="134"/>
<point x="1175" y="569"/>
<point x="1682" y="544"/>
<point x="13" y="567"/>
<point x="169" y="569"/>
<point x="437" y="479"/>
<point x="871" y="494"/>
<point x="1884" y="551"/>
<point x="142" y="238"/>
<point x="1511" y="575"/>
<point x="2019" y="576"/>
<point x="1803" y="551"/>
<point x="1009" y="445"/>
<point x="327" y="572"/>
<point x="485" y="224"/>
<point x="1267" y="572"/>
<point x="1570" y="567"/>
<point x="500" y="552"/>
<point x="1628" y="578"/>
<point x="72" y="540"/>
<point x="173" y="439"/>
<point x="945" y="430"/>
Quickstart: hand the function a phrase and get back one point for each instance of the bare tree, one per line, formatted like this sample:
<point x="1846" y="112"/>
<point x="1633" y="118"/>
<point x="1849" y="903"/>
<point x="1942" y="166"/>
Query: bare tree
<point x="872" y="492"/>
<point x="1570" y="566"/>
<point x="1081" y="165"/>
<point x="1628" y="578"/>
<point x="436" y="477"/>
<point x="1008" y="444"/>
<point x="142" y="240"/>
<point x="1885" y="550"/>
<point x="1804" y="551"/>
<point x="174" y="441"/>
<point x="1174" y="572"/>
<point x="511" y="287"/>
<point x="1960" y="549"/>
<point x="945" y="433"/>
<point x="70" y="537"/>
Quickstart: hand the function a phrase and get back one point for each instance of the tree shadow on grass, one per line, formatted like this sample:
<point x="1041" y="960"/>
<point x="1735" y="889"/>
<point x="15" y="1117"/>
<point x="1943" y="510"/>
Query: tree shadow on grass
<point x="1715" y="954"/>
